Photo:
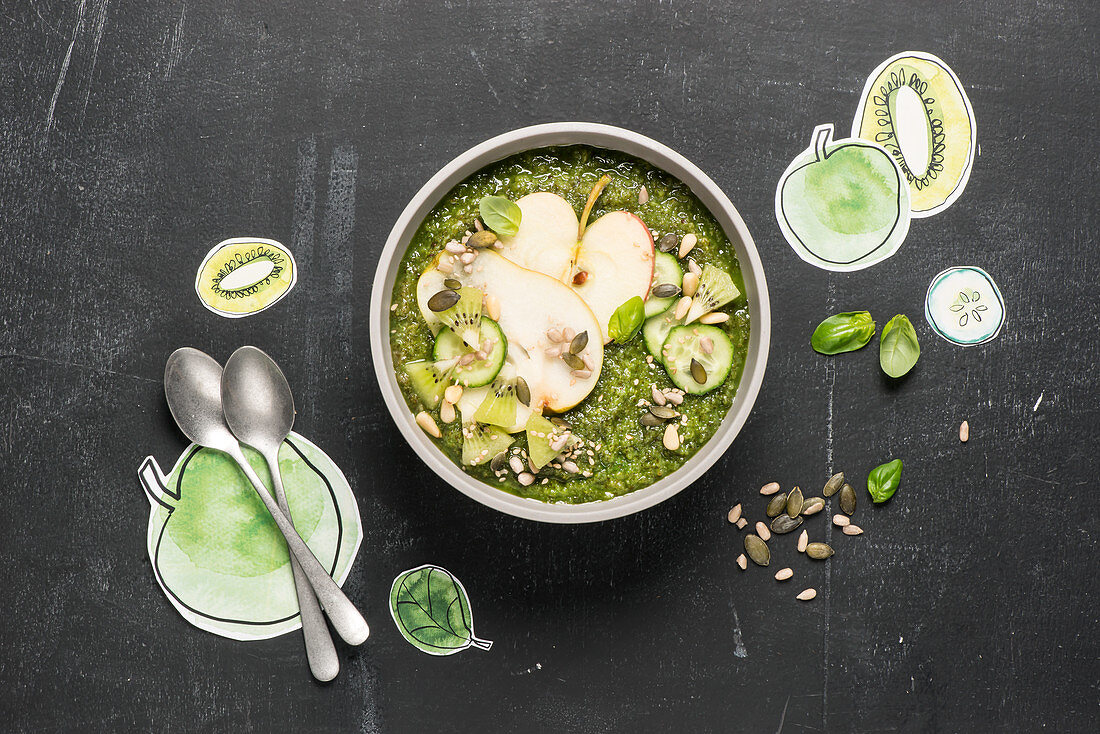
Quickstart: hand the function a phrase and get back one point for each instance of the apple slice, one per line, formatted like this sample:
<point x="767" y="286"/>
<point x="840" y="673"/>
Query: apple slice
<point x="531" y="304"/>
<point x="614" y="263"/>
<point x="546" y="237"/>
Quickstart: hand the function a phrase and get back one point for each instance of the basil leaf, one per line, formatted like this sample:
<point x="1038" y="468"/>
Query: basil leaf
<point x="432" y="612"/>
<point x="626" y="321"/>
<point x="899" y="349"/>
<point x="844" y="332"/>
<point x="884" y="480"/>
<point x="500" y="214"/>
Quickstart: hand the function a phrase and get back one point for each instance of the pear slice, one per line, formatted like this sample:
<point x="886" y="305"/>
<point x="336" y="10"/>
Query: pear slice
<point x="531" y="304"/>
<point x="614" y="263"/>
<point x="546" y="237"/>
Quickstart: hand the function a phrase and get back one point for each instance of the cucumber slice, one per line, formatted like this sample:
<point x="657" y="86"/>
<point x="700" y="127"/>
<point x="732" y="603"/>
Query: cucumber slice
<point x="666" y="269"/>
<point x="449" y="345"/>
<point x="655" y="331"/>
<point x="686" y="343"/>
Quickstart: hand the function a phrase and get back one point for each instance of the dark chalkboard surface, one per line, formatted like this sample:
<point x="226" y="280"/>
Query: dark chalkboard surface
<point x="135" y="136"/>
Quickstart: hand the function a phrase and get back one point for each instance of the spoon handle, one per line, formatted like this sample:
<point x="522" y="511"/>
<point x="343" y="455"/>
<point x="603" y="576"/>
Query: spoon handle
<point x="324" y="663"/>
<point x="347" y="620"/>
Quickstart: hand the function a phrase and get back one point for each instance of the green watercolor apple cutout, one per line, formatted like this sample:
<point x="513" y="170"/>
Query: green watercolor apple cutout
<point x="843" y="205"/>
<point x="217" y="554"/>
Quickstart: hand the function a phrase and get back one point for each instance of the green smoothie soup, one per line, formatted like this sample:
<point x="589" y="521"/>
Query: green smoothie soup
<point x="569" y="324"/>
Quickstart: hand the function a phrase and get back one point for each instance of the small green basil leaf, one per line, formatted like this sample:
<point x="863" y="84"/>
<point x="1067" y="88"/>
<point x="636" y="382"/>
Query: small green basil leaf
<point x="500" y="214"/>
<point x="845" y="332"/>
<point x="626" y="321"/>
<point x="899" y="348"/>
<point x="884" y="480"/>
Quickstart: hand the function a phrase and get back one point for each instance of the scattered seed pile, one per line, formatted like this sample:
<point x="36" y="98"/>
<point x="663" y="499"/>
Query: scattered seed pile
<point x="787" y="512"/>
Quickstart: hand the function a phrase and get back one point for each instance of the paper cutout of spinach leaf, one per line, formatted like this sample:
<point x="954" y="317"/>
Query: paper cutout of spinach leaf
<point x="432" y="611"/>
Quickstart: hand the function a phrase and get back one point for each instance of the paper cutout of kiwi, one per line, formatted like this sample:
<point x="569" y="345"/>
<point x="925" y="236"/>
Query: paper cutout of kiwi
<point x="915" y="107"/>
<point x="245" y="275"/>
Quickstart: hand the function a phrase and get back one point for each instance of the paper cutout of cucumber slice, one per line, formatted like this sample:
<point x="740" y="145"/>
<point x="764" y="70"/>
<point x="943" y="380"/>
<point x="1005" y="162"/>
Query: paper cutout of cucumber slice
<point x="964" y="306"/>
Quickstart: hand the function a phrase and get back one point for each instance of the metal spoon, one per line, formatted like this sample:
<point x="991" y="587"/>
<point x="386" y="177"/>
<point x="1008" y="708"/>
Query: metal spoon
<point x="259" y="409"/>
<point x="192" y="384"/>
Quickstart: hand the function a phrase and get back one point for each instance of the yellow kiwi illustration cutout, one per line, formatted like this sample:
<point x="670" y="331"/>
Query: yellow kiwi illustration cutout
<point x="244" y="275"/>
<point x="915" y="107"/>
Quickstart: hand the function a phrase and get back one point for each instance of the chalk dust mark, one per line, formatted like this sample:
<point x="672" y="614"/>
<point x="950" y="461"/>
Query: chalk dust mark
<point x="830" y="376"/>
<point x="303" y="228"/>
<point x="175" y="48"/>
<point x="61" y="75"/>
<point x="98" y="25"/>
<point x="783" y="716"/>
<point x="739" y="648"/>
<point x="336" y="233"/>
<point x="1037" y="402"/>
<point x="532" y="669"/>
<point x="484" y="74"/>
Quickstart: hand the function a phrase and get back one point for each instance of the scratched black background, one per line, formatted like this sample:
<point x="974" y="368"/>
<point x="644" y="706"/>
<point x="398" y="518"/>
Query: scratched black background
<point x="136" y="135"/>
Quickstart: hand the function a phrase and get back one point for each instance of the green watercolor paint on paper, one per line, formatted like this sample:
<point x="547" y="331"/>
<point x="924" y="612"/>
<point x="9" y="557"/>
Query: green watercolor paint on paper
<point x="432" y="611"/>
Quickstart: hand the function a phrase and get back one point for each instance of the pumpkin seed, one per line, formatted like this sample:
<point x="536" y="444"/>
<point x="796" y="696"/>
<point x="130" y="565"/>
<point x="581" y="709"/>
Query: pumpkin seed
<point x="523" y="392"/>
<point x="662" y="411"/>
<point x="833" y="485"/>
<point x="443" y="300"/>
<point x="666" y="290"/>
<point x="785" y="524"/>
<point x="668" y="243"/>
<point x="649" y="420"/>
<point x="794" y="502"/>
<point x="847" y="499"/>
<point x="757" y="550"/>
<point x="451" y="283"/>
<point x="777" y="505"/>
<point x="580" y="341"/>
<point x="735" y="513"/>
<point x="818" y="551"/>
<point x="499" y="462"/>
<point x="573" y="361"/>
<point x="479" y="240"/>
<point x="697" y="372"/>
<point x="812" y="506"/>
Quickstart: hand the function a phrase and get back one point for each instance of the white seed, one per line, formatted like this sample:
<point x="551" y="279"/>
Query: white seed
<point x="559" y="443"/>
<point x="783" y="574"/>
<point x="554" y="350"/>
<point x="659" y="397"/>
<point x="674" y="397"/>
<point x="516" y="465"/>
<point x="567" y="334"/>
<point x="691" y="284"/>
<point x="447" y="411"/>
<point x="526" y="479"/>
<point x="964" y="432"/>
<point x="807" y="595"/>
<point x="853" y="530"/>
<point x="706" y="344"/>
<point x="813" y="510"/>
<point x="694" y="267"/>
<point x="570" y="467"/>
<point x="467" y="269"/>
<point x="582" y="374"/>
<point x="426" y="422"/>
<point x="643" y="195"/>
<point x="687" y="244"/>
<point x="763" y="531"/>
<point x="492" y="306"/>
<point x="467" y="257"/>
<point x="671" y="438"/>
<point x="455" y="247"/>
<point x="734" y="514"/>
<point x="453" y="393"/>
<point x="841" y="520"/>
<point x="445" y="266"/>
<point x="682" y="307"/>
<point x="714" y="317"/>
<point x="742" y="523"/>
<point x="742" y="561"/>
<point x="478" y="225"/>
<point x="770" y="488"/>
<point x="554" y="335"/>
<point x="803" y="541"/>
<point x="465" y="359"/>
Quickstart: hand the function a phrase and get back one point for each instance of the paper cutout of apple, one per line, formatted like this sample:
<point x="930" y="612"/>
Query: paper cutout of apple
<point x="843" y="205"/>
<point x="606" y="263"/>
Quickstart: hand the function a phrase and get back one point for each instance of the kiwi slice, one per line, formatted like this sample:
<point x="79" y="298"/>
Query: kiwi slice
<point x="429" y="379"/>
<point x="540" y="434"/>
<point x="480" y="443"/>
<point x="715" y="290"/>
<point x="464" y="317"/>
<point x="500" y="405"/>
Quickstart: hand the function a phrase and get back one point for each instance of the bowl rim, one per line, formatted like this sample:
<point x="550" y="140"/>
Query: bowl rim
<point x="600" y="136"/>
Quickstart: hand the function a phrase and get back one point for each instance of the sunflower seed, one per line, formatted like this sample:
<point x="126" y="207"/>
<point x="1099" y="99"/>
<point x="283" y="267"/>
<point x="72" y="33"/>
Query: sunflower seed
<point x="668" y="243"/>
<point x="492" y="306"/>
<point x="763" y="531"/>
<point x="757" y="550"/>
<point x="686" y="245"/>
<point x="523" y="392"/>
<point x="481" y="239"/>
<point x="580" y="341"/>
<point x="691" y="284"/>
<point x="818" y="551"/>
<point x="803" y="541"/>
<point x="665" y="290"/>
<point x="445" y="266"/>
<point x="662" y="411"/>
<point x="453" y="393"/>
<point x="777" y="505"/>
<point x="499" y="462"/>
<point x="553" y="335"/>
<point x="853" y="530"/>
<point x="571" y="467"/>
<point x="785" y="524"/>
<point x="658" y="396"/>
<point x="443" y="300"/>
<point x="643" y="195"/>
<point x="567" y="334"/>
<point x="742" y="562"/>
<point x="447" y="411"/>
<point x="674" y="397"/>
<point x="455" y="248"/>
<point x="573" y="361"/>
<point x="783" y="574"/>
<point x="742" y="523"/>
<point x="582" y="374"/>
<point x="812" y="506"/>
<point x="833" y="485"/>
<point x="694" y="267"/>
<point x="526" y="479"/>
<point x="807" y="595"/>
<point x="467" y="258"/>
<point x="516" y="464"/>
<point x="794" y="502"/>
<point x="698" y="373"/>
<point x="964" y="432"/>
<point x="735" y="513"/>
<point x="649" y="420"/>
<point x="770" y="488"/>
<point x="453" y="284"/>
<point x="841" y="520"/>
<point x="426" y="422"/>
<point x="714" y="317"/>
<point x="847" y="499"/>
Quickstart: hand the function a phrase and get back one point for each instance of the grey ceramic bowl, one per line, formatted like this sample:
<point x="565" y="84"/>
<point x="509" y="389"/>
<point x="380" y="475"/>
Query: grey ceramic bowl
<point x="601" y="136"/>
